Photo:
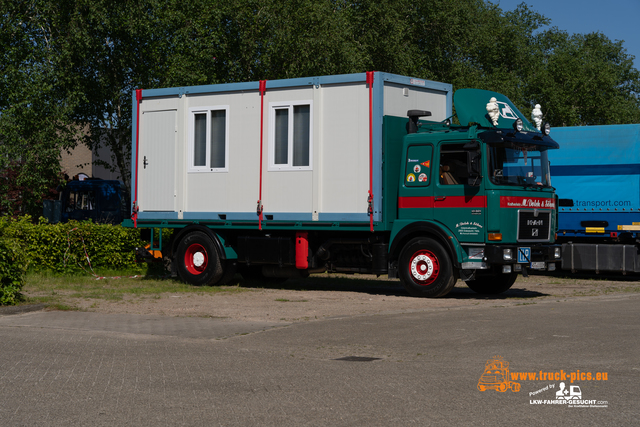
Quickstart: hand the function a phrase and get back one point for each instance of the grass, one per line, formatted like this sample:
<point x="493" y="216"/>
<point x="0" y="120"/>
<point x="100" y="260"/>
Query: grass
<point x="56" y="290"/>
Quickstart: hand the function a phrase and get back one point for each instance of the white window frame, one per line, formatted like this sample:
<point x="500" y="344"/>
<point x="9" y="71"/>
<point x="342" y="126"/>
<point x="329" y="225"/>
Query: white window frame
<point x="190" y="158"/>
<point x="273" y="106"/>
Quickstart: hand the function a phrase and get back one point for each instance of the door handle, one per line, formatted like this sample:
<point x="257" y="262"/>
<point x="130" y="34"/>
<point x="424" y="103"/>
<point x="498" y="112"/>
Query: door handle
<point x="144" y="162"/>
<point x="440" y="198"/>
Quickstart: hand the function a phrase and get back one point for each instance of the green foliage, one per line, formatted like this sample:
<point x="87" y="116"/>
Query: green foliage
<point x="75" y="246"/>
<point x="68" y="68"/>
<point x="13" y="267"/>
<point x="35" y="105"/>
<point x="585" y="79"/>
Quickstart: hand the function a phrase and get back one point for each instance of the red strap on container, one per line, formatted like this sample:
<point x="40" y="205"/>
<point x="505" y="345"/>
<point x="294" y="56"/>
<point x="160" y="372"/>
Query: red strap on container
<point x="370" y="199"/>
<point x="262" y="88"/>
<point x="134" y="214"/>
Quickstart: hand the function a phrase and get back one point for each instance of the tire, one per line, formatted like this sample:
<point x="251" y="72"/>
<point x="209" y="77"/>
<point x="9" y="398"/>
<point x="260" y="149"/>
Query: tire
<point x="515" y="387"/>
<point x="425" y="269"/>
<point x="493" y="284"/>
<point x="197" y="260"/>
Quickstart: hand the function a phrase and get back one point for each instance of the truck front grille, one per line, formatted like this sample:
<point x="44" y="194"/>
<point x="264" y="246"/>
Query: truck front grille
<point x="533" y="226"/>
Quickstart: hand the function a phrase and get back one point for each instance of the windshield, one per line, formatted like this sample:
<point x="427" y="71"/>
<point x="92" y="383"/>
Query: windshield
<point x="519" y="165"/>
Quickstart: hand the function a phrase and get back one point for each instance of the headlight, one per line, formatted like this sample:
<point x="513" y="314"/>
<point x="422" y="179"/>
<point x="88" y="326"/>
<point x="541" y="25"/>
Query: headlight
<point x="557" y="253"/>
<point x="517" y="125"/>
<point x="506" y="255"/>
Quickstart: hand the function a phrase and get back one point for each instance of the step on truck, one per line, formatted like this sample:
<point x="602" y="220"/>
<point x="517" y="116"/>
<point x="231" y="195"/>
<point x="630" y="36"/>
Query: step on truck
<point x="358" y="173"/>
<point x="597" y="178"/>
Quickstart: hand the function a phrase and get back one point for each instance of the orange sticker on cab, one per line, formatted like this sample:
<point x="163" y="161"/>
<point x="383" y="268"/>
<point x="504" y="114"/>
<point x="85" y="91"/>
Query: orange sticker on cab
<point x="426" y="164"/>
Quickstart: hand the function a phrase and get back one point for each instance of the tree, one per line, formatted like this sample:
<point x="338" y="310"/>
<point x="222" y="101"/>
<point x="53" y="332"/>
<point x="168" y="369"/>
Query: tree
<point x="34" y="109"/>
<point x="68" y="69"/>
<point x="585" y="79"/>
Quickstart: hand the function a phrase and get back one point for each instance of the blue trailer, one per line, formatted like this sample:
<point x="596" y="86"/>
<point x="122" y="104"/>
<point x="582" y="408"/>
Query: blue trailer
<point x="597" y="177"/>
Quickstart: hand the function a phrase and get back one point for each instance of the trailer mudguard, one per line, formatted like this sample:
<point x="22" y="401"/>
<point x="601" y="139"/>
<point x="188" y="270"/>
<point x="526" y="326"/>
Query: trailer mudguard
<point x="226" y="252"/>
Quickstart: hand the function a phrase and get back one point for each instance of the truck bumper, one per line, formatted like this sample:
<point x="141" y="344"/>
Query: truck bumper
<point x="519" y="258"/>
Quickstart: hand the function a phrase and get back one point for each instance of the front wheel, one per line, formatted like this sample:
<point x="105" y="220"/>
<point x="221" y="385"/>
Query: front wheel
<point x="494" y="284"/>
<point x="425" y="268"/>
<point x="198" y="261"/>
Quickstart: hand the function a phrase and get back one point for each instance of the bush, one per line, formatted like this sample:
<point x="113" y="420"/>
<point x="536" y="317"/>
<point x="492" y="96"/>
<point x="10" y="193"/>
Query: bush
<point x="13" y="267"/>
<point x="75" y="246"/>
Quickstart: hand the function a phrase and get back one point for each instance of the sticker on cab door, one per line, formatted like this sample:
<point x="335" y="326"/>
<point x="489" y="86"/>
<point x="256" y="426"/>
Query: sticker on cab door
<point x="411" y="178"/>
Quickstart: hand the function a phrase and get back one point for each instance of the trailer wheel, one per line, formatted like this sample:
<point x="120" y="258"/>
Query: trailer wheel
<point x="494" y="284"/>
<point x="425" y="268"/>
<point x="198" y="260"/>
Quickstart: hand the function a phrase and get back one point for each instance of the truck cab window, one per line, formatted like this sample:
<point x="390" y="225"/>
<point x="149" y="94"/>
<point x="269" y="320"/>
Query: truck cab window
<point x="454" y="169"/>
<point x="515" y="165"/>
<point x="83" y="200"/>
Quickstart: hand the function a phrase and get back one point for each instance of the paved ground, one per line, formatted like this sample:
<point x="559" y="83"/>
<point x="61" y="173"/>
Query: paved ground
<point x="78" y="368"/>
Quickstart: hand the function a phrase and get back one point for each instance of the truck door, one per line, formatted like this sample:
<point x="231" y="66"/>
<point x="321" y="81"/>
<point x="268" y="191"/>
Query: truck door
<point x="156" y="161"/>
<point x="415" y="195"/>
<point x="459" y="201"/>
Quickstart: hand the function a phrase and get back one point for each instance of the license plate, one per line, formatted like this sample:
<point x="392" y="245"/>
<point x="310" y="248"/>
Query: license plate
<point x="538" y="265"/>
<point x="524" y="255"/>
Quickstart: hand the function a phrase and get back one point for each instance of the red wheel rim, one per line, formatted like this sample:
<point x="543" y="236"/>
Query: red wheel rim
<point x="424" y="267"/>
<point x="196" y="259"/>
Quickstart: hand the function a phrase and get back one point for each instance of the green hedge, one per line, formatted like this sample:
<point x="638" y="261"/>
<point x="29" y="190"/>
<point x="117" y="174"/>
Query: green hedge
<point x="12" y="269"/>
<point x="61" y="248"/>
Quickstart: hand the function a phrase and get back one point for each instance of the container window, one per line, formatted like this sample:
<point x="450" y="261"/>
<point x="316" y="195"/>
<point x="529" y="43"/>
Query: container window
<point x="291" y="136"/>
<point x="209" y="139"/>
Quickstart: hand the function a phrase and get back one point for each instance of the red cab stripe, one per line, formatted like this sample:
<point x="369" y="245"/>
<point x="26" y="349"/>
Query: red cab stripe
<point x="446" y="202"/>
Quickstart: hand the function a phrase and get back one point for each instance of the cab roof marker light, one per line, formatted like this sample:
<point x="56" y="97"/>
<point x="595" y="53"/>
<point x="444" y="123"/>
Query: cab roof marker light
<point x="518" y="125"/>
<point x="546" y="129"/>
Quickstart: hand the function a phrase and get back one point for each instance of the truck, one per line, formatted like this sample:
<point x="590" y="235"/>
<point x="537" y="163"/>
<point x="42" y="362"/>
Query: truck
<point x="597" y="178"/>
<point x="496" y="376"/>
<point x="358" y="173"/>
<point x="91" y="199"/>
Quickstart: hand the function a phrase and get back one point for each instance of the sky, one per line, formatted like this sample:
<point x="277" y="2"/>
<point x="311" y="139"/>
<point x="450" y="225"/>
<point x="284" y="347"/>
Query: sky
<point x="616" y="19"/>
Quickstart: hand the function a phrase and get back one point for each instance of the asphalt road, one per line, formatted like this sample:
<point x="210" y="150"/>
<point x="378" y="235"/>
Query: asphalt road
<point x="421" y="368"/>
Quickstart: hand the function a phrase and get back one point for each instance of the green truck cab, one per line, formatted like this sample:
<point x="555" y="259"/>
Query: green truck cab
<point x="474" y="202"/>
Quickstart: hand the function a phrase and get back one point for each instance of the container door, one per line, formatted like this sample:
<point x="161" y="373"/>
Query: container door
<point x="459" y="202"/>
<point x="415" y="195"/>
<point x="156" y="161"/>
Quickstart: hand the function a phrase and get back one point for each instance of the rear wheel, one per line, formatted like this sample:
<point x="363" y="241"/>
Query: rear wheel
<point x="425" y="268"/>
<point x="493" y="284"/>
<point x="198" y="261"/>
